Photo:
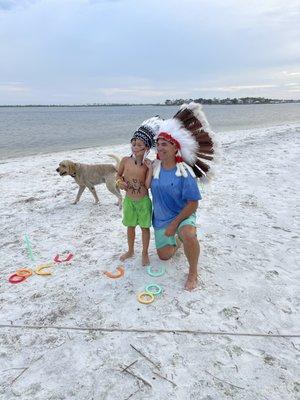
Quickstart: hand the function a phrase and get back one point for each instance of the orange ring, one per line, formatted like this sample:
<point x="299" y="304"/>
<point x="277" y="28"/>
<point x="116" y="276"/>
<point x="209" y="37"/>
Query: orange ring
<point x="24" y="272"/>
<point x="115" y="276"/>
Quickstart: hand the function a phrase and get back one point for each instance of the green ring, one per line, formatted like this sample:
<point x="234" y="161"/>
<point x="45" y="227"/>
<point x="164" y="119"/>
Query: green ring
<point x="155" y="274"/>
<point x="159" y="289"/>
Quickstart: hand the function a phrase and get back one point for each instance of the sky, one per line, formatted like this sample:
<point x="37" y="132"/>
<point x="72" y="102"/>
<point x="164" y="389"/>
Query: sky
<point x="147" y="51"/>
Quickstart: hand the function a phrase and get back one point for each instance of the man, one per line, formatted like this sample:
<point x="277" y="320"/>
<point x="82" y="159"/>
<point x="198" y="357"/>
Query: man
<point x="175" y="196"/>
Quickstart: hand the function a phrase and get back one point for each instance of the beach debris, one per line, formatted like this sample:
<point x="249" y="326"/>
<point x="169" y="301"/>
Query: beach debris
<point x="25" y="369"/>
<point x="146" y="357"/>
<point x="130" y="365"/>
<point x="165" y="378"/>
<point x="136" y="376"/>
<point x="222" y="380"/>
<point x="119" y="274"/>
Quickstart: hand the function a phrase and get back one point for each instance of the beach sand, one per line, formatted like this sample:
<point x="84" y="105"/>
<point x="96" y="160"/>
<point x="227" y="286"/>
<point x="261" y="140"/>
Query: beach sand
<point x="69" y="335"/>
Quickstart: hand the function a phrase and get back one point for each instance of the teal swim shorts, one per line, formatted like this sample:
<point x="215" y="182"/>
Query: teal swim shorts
<point x="137" y="212"/>
<point x="161" y="240"/>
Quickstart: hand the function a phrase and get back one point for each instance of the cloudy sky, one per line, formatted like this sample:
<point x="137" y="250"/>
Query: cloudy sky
<point x="141" y="51"/>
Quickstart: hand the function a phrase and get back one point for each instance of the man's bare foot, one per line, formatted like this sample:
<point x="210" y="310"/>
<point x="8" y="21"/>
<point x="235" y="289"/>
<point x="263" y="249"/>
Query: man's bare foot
<point x="126" y="255"/>
<point x="145" y="259"/>
<point x="191" y="283"/>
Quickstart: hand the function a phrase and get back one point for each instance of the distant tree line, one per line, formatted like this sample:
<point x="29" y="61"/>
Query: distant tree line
<point x="227" y="100"/>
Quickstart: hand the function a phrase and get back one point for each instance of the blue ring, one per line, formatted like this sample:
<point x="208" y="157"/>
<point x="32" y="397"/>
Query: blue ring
<point x="157" y="273"/>
<point x="156" y="286"/>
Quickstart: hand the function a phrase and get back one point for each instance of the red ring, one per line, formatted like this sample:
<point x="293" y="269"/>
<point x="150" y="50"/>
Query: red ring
<point x="12" y="278"/>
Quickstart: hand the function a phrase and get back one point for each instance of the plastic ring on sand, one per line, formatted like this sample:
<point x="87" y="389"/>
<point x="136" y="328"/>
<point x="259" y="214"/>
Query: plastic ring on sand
<point x="149" y="289"/>
<point x="58" y="260"/>
<point x="156" y="273"/>
<point x="40" y="268"/>
<point x="115" y="276"/>
<point x="142" y="298"/>
<point x="24" y="272"/>
<point x="16" y="278"/>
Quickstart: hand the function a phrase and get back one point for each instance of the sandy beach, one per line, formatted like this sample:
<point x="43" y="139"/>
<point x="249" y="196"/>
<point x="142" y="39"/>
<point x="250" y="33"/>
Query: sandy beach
<point x="69" y="335"/>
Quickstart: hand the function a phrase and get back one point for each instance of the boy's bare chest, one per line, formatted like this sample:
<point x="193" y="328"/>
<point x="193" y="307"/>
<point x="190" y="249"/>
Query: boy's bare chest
<point x="133" y="171"/>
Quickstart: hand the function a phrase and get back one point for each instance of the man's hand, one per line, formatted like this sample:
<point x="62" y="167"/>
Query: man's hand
<point x="171" y="229"/>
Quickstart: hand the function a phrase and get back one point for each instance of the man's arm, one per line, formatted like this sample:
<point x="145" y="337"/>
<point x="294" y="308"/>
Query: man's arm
<point x="188" y="210"/>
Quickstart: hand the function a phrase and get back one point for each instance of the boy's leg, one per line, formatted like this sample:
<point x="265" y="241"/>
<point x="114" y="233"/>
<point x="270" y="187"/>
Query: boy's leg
<point x="130" y="241"/>
<point x="145" y="241"/>
<point x="191" y="248"/>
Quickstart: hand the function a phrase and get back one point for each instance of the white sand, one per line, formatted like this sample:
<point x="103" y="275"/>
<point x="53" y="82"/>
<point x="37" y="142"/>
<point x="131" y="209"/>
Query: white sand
<point x="247" y="228"/>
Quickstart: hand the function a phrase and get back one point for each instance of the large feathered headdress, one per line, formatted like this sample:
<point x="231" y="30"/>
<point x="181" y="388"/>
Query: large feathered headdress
<point x="191" y="134"/>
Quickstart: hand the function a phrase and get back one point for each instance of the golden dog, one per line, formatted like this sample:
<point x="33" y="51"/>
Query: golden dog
<point x="89" y="175"/>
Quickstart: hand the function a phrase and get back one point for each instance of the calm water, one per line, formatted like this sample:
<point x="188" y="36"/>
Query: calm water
<point x="36" y="130"/>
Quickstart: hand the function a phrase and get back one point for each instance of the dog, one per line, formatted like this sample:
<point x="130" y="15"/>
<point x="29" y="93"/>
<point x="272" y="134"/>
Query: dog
<point x="89" y="175"/>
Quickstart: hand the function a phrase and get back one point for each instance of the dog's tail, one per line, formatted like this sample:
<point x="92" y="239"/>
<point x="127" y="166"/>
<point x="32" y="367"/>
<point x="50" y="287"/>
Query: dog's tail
<point x="116" y="159"/>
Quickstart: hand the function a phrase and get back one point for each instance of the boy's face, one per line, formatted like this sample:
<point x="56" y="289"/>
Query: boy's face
<point x="138" y="147"/>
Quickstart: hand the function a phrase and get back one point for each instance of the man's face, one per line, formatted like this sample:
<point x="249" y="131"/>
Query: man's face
<point x="165" y="149"/>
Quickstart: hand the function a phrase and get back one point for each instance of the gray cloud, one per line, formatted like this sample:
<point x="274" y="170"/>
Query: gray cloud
<point x="97" y="50"/>
<point x="10" y="4"/>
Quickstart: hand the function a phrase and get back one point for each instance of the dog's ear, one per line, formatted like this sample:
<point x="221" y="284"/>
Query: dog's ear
<point x="72" y="169"/>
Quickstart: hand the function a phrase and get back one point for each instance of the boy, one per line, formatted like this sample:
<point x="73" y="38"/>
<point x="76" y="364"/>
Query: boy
<point x="134" y="176"/>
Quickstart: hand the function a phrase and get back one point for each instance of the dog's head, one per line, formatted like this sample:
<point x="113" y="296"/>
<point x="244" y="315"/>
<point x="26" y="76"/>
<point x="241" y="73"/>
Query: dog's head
<point x="66" y="167"/>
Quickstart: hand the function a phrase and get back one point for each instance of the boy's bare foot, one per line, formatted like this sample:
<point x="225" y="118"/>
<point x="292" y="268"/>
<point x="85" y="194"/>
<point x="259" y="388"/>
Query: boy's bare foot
<point x="145" y="259"/>
<point x="126" y="255"/>
<point x="192" y="282"/>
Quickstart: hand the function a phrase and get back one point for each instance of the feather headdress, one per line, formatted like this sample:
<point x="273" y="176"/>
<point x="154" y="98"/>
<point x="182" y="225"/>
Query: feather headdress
<point x="190" y="132"/>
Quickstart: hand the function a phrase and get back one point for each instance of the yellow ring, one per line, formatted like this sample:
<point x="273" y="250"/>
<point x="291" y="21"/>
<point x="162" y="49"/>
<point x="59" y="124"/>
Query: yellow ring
<point x="24" y="272"/>
<point x="39" y="269"/>
<point x="141" y="298"/>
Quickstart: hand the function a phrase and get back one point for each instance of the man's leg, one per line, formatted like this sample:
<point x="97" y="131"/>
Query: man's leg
<point x="166" y="252"/>
<point x="191" y="248"/>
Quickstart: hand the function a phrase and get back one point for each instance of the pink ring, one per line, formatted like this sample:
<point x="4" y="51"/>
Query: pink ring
<point x="58" y="260"/>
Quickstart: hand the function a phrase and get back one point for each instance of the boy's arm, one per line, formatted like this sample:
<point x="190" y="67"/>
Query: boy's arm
<point x="149" y="174"/>
<point x="119" y="177"/>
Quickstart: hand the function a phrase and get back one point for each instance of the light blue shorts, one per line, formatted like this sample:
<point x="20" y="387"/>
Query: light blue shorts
<point x="161" y="240"/>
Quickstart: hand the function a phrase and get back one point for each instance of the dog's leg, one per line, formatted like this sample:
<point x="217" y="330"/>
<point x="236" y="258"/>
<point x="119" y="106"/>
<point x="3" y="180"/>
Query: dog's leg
<point x="111" y="186"/>
<point x="80" y="191"/>
<point x="94" y="193"/>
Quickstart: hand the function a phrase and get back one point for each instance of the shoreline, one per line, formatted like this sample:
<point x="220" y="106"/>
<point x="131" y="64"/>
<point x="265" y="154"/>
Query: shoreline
<point x="221" y="134"/>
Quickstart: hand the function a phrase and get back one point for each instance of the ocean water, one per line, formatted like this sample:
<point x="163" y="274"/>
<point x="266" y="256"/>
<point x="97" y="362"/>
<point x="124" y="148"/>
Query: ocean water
<point x="38" y="130"/>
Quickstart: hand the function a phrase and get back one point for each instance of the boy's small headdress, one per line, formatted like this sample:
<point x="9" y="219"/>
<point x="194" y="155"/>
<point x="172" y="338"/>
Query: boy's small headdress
<point x="147" y="131"/>
<point x="189" y="131"/>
